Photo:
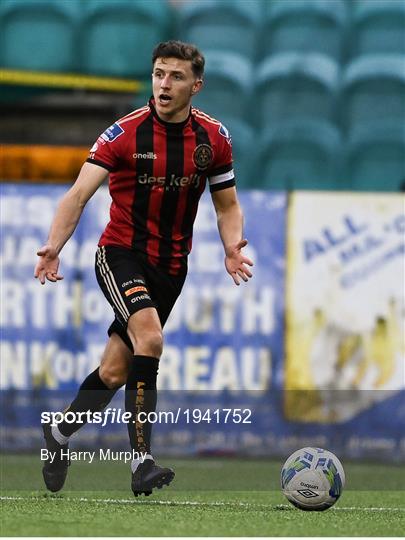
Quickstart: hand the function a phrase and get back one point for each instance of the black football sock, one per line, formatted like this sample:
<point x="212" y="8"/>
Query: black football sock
<point x="141" y="397"/>
<point x="93" y="396"/>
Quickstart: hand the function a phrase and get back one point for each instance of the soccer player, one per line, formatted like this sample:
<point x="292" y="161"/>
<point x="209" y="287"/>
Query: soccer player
<point x="158" y="159"/>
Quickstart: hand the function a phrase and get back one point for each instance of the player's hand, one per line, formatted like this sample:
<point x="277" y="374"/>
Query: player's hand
<point x="235" y="262"/>
<point x="48" y="264"/>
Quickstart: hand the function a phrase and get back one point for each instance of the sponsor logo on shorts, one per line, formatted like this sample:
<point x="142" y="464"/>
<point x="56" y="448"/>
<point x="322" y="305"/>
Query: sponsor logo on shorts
<point x="132" y="282"/>
<point x="140" y="297"/>
<point x="135" y="289"/>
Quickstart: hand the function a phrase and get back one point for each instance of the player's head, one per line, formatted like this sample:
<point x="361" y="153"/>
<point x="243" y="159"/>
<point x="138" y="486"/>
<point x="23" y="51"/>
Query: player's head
<point x="177" y="75"/>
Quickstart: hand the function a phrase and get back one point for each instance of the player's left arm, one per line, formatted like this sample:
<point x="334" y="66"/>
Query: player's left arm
<point x="230" y="227"/>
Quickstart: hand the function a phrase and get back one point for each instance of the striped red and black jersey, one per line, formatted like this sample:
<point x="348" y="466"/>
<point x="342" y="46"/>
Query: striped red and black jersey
<point x="158" y="172"/>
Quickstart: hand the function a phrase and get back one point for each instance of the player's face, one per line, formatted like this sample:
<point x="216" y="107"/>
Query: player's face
<point x="174" y="84"/>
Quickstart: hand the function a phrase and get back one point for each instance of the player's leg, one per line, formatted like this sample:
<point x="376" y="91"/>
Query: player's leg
<point x="142" y="297"/>
<point x="145" y="332"/>
<point x="164" y="290"/>
<point x="94" y="394"/>
<point x="98" y="389"/>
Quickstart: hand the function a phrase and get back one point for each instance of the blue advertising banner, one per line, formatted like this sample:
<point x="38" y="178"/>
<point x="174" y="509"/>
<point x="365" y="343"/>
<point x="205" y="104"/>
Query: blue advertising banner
<point x="222" y="342"/>
<point x="226" y="384"/>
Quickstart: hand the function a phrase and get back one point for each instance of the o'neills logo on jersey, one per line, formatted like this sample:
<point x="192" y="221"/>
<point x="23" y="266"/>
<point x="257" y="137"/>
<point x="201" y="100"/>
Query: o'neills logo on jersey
<point x="172" y="181"/>
<point x="148" y="155"/>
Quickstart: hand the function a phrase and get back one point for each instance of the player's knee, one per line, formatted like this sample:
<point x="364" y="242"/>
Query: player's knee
<point x="150" y="343"/>
<point x="112" y="378"/>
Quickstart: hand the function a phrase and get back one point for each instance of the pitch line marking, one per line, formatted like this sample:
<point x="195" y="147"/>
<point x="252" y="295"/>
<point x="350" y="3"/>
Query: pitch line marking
<point x="195" y="503"/>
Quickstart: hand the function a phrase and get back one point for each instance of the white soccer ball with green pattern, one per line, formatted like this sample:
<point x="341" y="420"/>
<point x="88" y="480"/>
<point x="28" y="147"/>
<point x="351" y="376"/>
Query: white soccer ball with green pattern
<point x="312" y="479"/>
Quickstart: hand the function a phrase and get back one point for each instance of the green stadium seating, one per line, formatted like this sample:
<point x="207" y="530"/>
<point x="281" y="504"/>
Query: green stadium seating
<point x="294" y="85"/>
<point x="242" y="150"/>
<point x="227" y="85"/>
<point x="300" y="155"/>
<point x="375" y="156"/>
<point x="373" y="88"/>
<point x="40" y="35"/>
<point x="304" y="26"/>
<point x="378" y="27"/>
<point x="118" y="37"/>
<point x="227" y="25"/>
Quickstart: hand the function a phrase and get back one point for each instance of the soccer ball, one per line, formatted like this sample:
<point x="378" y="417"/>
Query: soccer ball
<point x="312" y="479"/>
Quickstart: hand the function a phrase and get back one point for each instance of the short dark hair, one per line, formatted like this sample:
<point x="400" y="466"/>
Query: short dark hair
<point x="183" y="51"/>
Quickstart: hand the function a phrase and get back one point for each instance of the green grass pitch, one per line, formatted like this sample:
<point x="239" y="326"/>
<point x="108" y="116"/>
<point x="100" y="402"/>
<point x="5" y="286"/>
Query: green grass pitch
<point x="209" y="497"/>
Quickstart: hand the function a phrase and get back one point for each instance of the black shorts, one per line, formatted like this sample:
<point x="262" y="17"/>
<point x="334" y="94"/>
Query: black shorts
<point x="130" y="283"/>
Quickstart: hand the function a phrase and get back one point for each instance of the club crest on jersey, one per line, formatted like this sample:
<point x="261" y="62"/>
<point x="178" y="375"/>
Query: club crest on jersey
<point x="225" y="133"/>
<point x="202" y="156"/>
<point x="112" y="133"/>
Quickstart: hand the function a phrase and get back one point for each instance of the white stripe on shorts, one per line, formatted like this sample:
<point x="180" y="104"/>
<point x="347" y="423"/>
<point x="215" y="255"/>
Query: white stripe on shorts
<point x="110" y="283"/>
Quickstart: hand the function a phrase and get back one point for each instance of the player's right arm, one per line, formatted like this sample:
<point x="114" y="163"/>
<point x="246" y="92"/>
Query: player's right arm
<point x="66" y="218"/>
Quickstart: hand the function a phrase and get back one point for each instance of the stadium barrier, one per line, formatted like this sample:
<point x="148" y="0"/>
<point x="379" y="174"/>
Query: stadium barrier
<point x="48" y="163"/>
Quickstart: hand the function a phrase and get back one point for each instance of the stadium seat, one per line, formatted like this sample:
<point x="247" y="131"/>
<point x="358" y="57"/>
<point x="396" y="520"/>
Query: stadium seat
<point x="227" y="25"/>
<point x="375" y="156"/>
<point x="378" y="27"/>
<point x="118" y="37"/>
<point x="242" y="150"/>
<point x="373" y="88"/>
<point x="300" y="155"/>
<point x="40" y="35"/>
<point x="294" y="85"/>
<point x="304" y="26"/>
<point x="227" y="83"/>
